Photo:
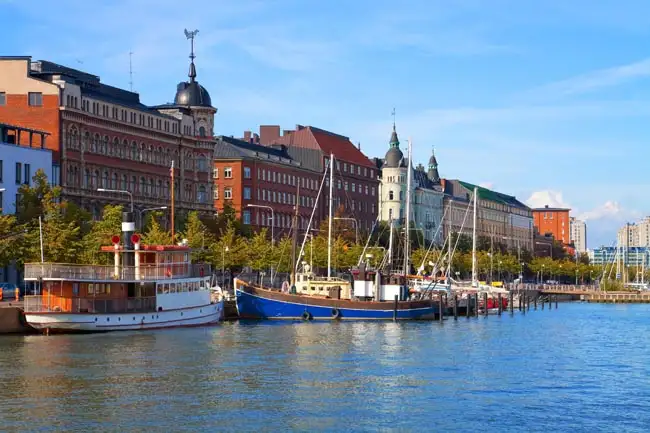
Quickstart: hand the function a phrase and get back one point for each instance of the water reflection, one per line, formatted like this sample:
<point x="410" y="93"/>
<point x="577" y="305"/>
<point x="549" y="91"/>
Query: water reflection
<point x="500" y="373"/>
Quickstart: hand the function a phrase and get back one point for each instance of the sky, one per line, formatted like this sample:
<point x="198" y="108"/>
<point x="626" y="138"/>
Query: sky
<point x="547" y="101"/>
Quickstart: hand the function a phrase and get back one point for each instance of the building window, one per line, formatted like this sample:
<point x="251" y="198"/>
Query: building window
<point x="227" y="193"/>
<point x="373" y="191"/>
<point x="390" y="195"/>
<point x="247" y="193"/>
<point x="247" y="173"/>
<point x="35" y="99"/>
<point x="3" y="98"/>
<point x="19" y="170"/>
<point x="246" y="217"/>
<point x="354" y="187"/>
<point x="215" y="173"/>
<point x="202" y="195"/>
<point x="28" y="174"/>
<point x="227" y="172"/>
<point x="201" y="131"/>
<point x="1" y="164"/>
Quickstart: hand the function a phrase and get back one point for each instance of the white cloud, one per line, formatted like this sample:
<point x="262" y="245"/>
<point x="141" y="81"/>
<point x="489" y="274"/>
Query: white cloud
<point x="591" y="81"/>
<point x="548" y="198"/>
<point x="488" y="185"/>
<point x="610" y="210"/>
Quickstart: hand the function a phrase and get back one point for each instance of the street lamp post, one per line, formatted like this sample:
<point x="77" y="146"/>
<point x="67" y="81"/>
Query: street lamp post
<point x="141" y="212"/>
<point x="356" y="227"/>
<point x="120" y="191"/>
<point x="272" y="217"/>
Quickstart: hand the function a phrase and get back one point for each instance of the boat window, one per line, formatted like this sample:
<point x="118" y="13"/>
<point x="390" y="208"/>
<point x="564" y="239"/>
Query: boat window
<point x="165" y="288"/>
<point x="159" y="289"/>
<point x="172" y="288"/>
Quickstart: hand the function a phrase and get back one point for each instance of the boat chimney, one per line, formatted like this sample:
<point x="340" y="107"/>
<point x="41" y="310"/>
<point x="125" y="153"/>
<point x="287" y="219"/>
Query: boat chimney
<point x="128" y="228"/>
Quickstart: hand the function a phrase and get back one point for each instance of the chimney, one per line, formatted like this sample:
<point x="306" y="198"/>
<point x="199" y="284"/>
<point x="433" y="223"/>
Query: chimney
<point x="269" y="133"/>
<point x="359" y="146"/>
<point x="256" y="138"/>
<point x="247" y="136"/>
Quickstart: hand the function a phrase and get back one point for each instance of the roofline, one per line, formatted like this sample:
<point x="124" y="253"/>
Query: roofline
<point x="15" y="57"/>
<point x="553" y="209"/>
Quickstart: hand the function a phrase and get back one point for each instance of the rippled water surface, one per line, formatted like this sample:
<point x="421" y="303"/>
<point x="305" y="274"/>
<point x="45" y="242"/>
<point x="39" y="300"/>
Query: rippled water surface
<point x="580" y="368"/>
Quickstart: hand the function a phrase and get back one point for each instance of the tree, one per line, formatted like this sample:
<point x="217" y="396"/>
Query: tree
<point x="155" y="234"/>
<point x="100" y="234"/>
<point x="236" y="256"/>
<point x="9" y="229"/>
<point x="198" y="237"/>
<point x="259" y="251"/>
<point x="30" y="205"/>
<point x="462" y="242"/>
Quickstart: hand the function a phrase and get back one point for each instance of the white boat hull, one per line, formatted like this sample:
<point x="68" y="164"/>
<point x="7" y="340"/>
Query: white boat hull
<point x="97" y="322"/>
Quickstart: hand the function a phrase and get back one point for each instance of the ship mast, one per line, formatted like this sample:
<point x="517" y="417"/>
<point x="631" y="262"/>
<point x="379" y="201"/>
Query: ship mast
<point x="329" y="225"/>
<point x="294" y="240"/>
<point x="474" y="278"/>
<point x="408" y="212"/>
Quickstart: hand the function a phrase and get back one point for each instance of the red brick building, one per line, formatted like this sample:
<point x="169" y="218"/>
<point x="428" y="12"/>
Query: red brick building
<point x="553" y="221"/>
<point x="355" y="176"/>
<point x="261" y="183"/>
<point x="104" y="137"/>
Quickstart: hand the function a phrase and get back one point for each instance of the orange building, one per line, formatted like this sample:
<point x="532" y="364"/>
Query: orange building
<point x="554" y="221"/>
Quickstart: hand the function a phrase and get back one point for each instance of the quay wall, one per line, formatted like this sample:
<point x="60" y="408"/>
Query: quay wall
<point x="12" y="321"/>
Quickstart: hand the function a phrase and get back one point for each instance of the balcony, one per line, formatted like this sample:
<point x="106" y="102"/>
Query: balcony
<point x="57" y="271"/>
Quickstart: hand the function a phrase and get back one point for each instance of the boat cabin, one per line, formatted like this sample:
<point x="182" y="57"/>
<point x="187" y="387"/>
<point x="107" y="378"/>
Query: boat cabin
<point x="308" y="283"/>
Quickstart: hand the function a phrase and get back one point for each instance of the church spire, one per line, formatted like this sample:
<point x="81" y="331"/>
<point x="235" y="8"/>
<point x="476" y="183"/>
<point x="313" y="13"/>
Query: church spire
<point x="394" y="141"/>
<point x="191" y="35"/>
<point x="432" y="174"/>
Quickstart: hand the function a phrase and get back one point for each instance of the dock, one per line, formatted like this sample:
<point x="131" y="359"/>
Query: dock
<point x="618" y="298"/>
<point x="12" y="318"/>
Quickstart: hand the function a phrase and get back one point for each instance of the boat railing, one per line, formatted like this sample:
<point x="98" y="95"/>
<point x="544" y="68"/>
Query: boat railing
<point x="144" y="272"/>
<point x="56" y="304"/>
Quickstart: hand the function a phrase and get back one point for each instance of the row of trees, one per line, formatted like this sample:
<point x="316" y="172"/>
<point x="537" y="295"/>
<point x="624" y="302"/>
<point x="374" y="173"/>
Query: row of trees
<point x="71" y="236"/>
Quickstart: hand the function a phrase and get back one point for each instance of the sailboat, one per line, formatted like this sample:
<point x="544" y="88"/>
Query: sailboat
<point x="371" y="296"/>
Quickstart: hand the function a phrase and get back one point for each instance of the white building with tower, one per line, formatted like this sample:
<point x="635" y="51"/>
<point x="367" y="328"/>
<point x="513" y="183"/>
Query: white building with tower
<point x="426" y="192"/>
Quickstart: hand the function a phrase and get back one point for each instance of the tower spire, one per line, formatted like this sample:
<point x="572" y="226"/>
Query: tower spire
<point x="433" y="174"/>
<point x="394" y="141"/>
<point x="191" y="35"/>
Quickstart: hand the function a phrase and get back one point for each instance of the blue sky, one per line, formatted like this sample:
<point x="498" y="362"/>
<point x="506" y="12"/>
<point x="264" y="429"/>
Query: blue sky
<point x="547" y="101"/>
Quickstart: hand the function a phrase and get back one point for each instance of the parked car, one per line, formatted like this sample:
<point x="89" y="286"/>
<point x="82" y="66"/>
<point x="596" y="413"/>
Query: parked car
<point x="9" y="291"/>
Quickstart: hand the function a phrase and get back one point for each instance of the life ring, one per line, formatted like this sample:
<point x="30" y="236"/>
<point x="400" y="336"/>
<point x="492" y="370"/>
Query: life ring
<point x="306" y="315"/>
<point x="335" y="313"/>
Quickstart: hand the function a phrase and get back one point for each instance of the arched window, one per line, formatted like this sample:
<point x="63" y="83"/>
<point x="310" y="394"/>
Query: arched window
<point x="143" y="153"/>
<point x="73" y="138"/>
<point x="95" y="179"/>
<point x="134" y="151"/>
<point x="159" y="188"/>
<point x="143" y="185"/>
<point x="150" y="191"/>
<point x="103" y="148"/>
<point x="114" y="181"/>
<point x="202" y="131"/>
<point x="134" y="184"/>
<point x="202" y="195"/>
<point x="401" y="195"/>
<point x="95" y="143"/>
<point x="87" y="181"/>
<point x="167" y="191"/>
<point x="390" y="195"/>
<point x="125" y="182"/>
<point x="202" y="163"/>
<point x="86" y="141"/>
<point x="105" y="180"/>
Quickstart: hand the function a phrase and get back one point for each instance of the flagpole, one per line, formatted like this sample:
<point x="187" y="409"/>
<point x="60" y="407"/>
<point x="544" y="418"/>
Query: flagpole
<point x="172" y="185"/>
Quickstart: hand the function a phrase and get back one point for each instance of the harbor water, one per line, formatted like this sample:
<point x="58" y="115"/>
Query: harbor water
<point x="580" y="368"/>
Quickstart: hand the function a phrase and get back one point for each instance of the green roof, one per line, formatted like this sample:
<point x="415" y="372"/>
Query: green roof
<point x="497" y="197"/>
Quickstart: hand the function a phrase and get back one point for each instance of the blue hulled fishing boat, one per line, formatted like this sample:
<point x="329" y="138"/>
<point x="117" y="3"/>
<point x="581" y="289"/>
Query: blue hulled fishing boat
<point x="371" y="295"/>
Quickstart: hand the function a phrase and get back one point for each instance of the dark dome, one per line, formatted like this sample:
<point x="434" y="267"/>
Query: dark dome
<point x="394" y="157"/>
<point x="433" y="161"/>
<point x="192" y="94"/>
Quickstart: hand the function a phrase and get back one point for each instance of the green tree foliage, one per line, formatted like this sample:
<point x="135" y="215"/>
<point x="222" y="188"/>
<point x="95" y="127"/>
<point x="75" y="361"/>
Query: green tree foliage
<point x="100" y="235"/>
<point x="9" y="239"/>
<point x="260" y="252"/>
<point x="230" y="250"/>
<point x="155" y="233"/>
<point x="198" y="237"/>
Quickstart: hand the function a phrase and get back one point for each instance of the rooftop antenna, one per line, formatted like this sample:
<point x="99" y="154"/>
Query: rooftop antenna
<point x="130" y="71"/>
<point x="191" y="35"/>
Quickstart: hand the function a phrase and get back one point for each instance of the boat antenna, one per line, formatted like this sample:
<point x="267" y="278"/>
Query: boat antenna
<point x="171" y="172"/>
<point x="408" y="210"/>
<point x="294" y="239"/>
<point x="474" y="277"/>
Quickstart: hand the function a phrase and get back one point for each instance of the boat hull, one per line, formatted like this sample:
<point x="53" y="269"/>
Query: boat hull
<point x="91" y="322"/>
<point x="254" y="303"/>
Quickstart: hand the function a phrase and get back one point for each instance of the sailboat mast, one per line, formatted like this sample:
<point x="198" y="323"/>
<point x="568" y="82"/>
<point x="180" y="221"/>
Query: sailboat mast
<point x="329" y="225"/>
<point x="171" y="171"/>
<point x="408" y="212"/>
<point x="390" y="243"/>
<point x="474" y="276"/>
<point x="294" y="240"/>
<point x="449" y="242"/>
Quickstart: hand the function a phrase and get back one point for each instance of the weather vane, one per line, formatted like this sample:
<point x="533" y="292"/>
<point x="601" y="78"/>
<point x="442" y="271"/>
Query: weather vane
<point x="191" y="35"/>
<point x="393" y="114"/>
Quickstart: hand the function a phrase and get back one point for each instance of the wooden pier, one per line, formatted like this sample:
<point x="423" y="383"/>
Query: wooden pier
<point x="618" y="298"/>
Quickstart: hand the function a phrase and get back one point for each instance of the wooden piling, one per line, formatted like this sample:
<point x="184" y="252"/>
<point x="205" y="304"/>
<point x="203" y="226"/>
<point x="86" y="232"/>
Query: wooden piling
<point x="523" y="301"/>
<point x="455" y="307"/>
<point x="485" y="304"/>
<point x="499" y="301"/>
<point x="511" y="303"/>
<point x="520" y="299"/>
<point x="476" y="305"/>
<point x="395" y="309"/>
<point x="543" y="304"/>
<point x="556" y="301"/>
<point x="528" y="302"/>
<point x="468" y="313"/>
<point x="535" y="302"/>
<point x="441" y="311"/>
<point x="550" y="301"/>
